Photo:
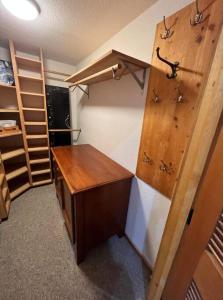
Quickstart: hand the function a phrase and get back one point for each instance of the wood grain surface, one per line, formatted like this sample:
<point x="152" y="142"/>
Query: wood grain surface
<point x="110" y="59"/>
<point x="168" y="124"/>
<point x="84" y="167"/>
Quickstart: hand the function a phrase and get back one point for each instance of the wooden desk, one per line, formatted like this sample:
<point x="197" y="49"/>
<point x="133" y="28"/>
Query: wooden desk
<point x="93" y="192"/>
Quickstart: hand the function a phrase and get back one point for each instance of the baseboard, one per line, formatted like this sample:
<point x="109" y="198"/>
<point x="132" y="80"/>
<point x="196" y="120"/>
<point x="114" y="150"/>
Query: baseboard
<point x="145" y="261"/>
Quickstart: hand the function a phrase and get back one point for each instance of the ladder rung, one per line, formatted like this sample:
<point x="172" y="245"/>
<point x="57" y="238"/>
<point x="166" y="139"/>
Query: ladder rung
<point x="32" y="94"/>
<point x="29" y="62"/>
<point x="29" y="77"/>
<point x="37" y="136"/>
<point x="33" y="109"/>
<point x="35" y="123"/>
<point x="39" y="161"/>
<point x="40" y="172"/>
<point x="36" y="149"/>
<point x="42" y="182"/>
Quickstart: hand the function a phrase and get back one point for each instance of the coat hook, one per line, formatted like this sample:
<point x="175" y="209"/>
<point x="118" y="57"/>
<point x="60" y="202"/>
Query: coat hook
<point x="147" y="159"/>
<point x="180" y="97"/>
<point x="114" y="75"/>
<point x="166" y="168"/>
<point x="168" y="33"/>
<point x="174" y="66"/>
<point x="156" y="97"/>
<point x="198" y="17"/>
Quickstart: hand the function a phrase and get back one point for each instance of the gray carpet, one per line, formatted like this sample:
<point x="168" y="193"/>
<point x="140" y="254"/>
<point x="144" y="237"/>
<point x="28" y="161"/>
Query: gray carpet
<point x="37" y="259"/>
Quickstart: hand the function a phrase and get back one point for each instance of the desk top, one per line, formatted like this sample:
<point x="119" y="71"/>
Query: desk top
<point x="84" y="167"/>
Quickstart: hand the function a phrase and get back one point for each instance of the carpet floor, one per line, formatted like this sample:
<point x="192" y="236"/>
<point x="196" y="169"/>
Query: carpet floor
<point x="37" y="259"/>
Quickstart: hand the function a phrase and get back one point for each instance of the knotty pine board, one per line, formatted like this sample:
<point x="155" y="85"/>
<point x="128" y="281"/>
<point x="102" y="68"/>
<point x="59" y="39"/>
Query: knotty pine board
<point x="168" y="124"/>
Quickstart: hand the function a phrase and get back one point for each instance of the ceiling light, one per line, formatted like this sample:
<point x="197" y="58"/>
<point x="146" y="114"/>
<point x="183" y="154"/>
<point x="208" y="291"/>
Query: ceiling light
<point x="23" y="9"/>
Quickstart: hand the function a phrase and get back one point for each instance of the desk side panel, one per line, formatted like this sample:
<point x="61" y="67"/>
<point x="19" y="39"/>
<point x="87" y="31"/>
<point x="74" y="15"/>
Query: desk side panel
<point x="101" y="213"/>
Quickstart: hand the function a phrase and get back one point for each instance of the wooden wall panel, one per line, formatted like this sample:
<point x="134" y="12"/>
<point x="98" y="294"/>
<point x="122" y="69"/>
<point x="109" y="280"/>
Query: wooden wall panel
<point x="168" y="124"/>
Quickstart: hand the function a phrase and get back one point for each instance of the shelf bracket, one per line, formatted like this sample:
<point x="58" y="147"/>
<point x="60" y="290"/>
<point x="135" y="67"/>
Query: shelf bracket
<point x="78" y="135"/>
<point x="140" y="82"/>
<point x="86" y="92"/>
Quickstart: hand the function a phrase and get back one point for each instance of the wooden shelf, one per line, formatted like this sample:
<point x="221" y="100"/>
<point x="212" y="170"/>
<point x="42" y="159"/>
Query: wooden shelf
<point x="29" y="78"/>
<point x="32" y="94"/>
<point x="10" y="134"/>
<point x="2" y="85"/>
<point x="37" y="149"/>
<point x="3" y="110"/>
<point x="63" y="130"/>
<point x="39" y="172"/>
<point x="16" y="173"/>
<point x="19" y="190"/>
<point x="33" y="109"/>
<point x="35" y="123"/>
<point x="28" y="96"/>
<point x="12" y="153"/>
<point x="41" y="182"/>
<point x="39" y="161"/>
<point x="37" y="136"/>
<point x="96" y="71"/>
<point x="28" y="62"/>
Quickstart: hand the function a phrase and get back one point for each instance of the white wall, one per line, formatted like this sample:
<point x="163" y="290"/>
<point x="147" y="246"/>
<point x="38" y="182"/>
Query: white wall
<point x="111" y="120"/>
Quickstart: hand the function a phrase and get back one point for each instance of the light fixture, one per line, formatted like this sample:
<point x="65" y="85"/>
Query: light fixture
<point x="23" y="9"/>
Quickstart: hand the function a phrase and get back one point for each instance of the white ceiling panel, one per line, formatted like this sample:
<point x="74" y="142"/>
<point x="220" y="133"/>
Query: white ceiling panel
<point x="69" y="30"/>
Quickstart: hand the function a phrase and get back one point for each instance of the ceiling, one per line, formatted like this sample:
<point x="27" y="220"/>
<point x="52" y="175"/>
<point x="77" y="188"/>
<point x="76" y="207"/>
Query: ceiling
<point x="69" y="30"/>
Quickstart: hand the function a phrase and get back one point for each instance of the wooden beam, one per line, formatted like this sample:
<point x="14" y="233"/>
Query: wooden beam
<point x="208" y="117"/>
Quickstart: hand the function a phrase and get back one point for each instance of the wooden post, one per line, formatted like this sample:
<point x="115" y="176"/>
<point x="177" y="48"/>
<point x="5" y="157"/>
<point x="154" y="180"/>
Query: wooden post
<point x="19" y="101"/>
<point x="45" y="108"/>
<point x="208" y="117"/>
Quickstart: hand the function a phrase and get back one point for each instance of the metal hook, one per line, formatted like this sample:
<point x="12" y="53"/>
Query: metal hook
<point x="180" y="97"/>
<point x="166" y="168"/>
<point x="156" y="97"/>
<point x="78" y="135"/>
<point x="198" y="17"/>
<point x="114" y="75"/>
<point x="168" y="33"/>
<point x="147" y="159"/>
<point x="174" y="66"/>
<point x="83" y="90"/>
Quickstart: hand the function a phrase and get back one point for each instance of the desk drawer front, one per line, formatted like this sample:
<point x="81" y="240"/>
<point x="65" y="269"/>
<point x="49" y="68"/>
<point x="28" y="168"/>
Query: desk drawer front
<point x="68" y="210"/>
